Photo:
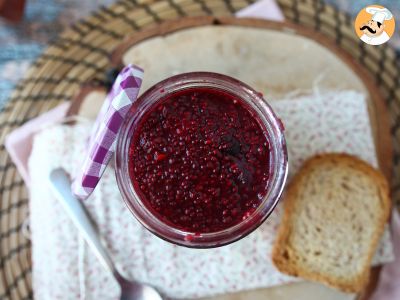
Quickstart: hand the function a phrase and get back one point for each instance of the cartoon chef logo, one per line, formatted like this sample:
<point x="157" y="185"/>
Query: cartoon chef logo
<point x="374" y="25"/>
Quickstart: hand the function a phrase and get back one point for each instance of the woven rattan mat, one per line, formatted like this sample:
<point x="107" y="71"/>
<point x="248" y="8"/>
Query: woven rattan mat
<point x="82" y="54"/>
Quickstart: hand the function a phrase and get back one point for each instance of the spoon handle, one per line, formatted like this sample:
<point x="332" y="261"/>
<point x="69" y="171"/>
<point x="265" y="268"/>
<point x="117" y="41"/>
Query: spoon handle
<point x="61" y="185"/>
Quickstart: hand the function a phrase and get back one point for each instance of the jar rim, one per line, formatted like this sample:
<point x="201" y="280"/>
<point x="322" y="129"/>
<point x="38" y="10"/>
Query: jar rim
<point x="278" y="159"/>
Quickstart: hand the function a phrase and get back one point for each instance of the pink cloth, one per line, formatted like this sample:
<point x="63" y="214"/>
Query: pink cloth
<point x="264" y="9"/>
<point x="19" y="142"/>
<point x="389" y="281"/>
<point x="19" y="145"/>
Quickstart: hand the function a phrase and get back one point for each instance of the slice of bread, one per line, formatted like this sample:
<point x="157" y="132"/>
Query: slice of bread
<point x="335" y="211"/>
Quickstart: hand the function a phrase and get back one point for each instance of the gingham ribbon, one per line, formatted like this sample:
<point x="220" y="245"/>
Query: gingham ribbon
<point x="104" y="135"/>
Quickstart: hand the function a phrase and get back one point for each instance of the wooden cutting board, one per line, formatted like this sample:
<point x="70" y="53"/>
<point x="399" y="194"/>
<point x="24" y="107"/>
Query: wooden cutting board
<point x="274" y="58"/>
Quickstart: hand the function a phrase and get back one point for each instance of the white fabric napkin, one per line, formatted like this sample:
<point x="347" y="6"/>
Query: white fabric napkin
<point x="64" y="267"/>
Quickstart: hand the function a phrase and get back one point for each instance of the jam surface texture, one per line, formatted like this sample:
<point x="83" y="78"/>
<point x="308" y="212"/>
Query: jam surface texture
<point x="199" y="160"/>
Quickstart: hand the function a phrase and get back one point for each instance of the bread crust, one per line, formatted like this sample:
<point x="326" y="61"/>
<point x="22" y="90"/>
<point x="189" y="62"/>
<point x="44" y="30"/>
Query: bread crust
<point x="281" y="247"/>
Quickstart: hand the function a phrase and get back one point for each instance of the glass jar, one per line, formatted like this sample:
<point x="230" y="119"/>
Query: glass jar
<point x="278" y="159"/>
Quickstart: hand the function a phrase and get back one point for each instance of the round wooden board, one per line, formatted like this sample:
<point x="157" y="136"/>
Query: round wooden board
<point x="182" y="38"/>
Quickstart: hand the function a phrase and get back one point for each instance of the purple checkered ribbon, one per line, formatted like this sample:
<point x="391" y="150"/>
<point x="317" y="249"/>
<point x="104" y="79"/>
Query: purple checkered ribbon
<point x="103" y="139"/>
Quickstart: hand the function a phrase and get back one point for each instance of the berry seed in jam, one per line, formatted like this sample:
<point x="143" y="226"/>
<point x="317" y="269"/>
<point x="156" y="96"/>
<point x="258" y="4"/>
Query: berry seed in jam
<point x="199" y="158"/>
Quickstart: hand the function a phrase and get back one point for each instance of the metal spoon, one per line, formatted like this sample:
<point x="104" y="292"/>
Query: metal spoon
<point x="130" y="290"/>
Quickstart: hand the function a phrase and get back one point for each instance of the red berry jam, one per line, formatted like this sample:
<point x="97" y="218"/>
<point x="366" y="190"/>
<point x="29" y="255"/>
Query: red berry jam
<point x="199" y="159"/>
